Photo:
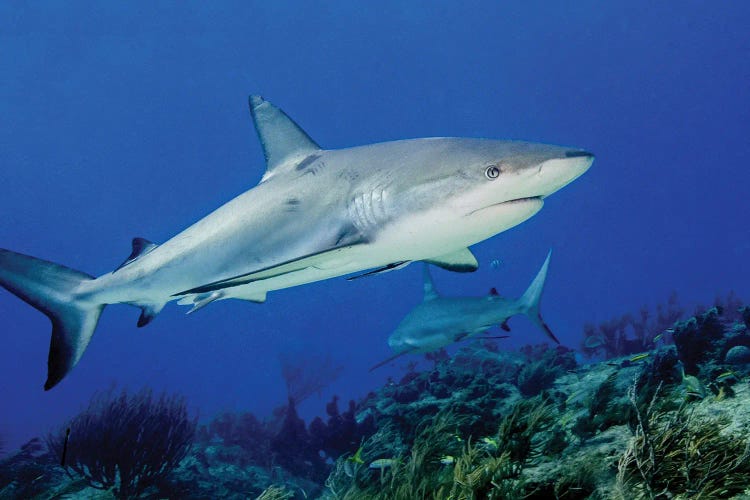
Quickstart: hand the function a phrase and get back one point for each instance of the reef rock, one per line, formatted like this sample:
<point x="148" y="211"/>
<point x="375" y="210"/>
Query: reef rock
<point x="738" y="355"/>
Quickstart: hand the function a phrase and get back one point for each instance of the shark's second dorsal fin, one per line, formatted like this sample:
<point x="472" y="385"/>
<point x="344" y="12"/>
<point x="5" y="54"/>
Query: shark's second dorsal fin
<point x="283" y="140"/>
<point x="141" y="246"/>
<point x="429" y="287"/>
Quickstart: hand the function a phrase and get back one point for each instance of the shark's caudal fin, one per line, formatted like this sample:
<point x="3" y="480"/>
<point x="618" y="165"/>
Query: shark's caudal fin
<point x="533" y="295"/>
<point x="51" y="288"/>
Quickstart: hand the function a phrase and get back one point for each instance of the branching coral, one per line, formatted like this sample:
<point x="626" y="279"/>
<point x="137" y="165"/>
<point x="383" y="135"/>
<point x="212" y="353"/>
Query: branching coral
<point x="307" y="373"/>
<point x="629" y="334"/>
<point x="126" y="442"/>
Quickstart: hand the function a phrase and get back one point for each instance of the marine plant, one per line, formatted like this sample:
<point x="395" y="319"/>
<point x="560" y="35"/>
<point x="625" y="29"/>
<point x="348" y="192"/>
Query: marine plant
<point x="443" y="464"/>
<point x="274" y="492"/>
<point x="603" y="409"/>
<point x="679" y="454"/>
<point x="125" y="442"/>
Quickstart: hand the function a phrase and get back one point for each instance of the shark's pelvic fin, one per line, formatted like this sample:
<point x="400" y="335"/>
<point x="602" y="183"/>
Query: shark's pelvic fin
<point x="429" y="286"/>
<point x="141" y="246"/>
<point x="461" y="261"/>
<point x="148" y="313"/>
<point x="283" y="140"/>
<point x="531" y="298"/>
<point x="201" y="301"/>
<point x="51" y="288"/>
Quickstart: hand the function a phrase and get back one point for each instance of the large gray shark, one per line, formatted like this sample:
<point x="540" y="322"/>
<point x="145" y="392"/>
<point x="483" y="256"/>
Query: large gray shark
<point x="315" y="214"/>
<point x="440" y="321"/>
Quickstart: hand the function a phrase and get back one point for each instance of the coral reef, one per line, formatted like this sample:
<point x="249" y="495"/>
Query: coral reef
<point x="671" y="422"/>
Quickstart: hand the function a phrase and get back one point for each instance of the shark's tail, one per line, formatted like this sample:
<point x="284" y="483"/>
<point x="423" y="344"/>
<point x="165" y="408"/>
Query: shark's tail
<point x="51" y="288"/>
<point x="530" y="299"/>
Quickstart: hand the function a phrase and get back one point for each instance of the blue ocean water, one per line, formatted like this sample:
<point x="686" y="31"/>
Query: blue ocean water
<point x="123" y="120"/>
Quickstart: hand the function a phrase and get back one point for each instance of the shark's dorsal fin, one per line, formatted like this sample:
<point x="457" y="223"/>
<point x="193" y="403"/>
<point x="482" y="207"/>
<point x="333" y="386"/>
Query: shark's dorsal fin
<point x="460" y="261"/>
<point x="141" y="246"/>
<point x="283" y="140"/>
<point x="429" y="287"/>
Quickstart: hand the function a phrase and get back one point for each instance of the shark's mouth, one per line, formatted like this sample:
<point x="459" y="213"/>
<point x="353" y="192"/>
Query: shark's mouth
<point x="516" y="201"/>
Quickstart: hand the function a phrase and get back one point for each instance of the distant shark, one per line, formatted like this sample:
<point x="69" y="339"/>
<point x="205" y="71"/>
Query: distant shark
<point x="440" y="321"/>
<point x="315" y="214"/>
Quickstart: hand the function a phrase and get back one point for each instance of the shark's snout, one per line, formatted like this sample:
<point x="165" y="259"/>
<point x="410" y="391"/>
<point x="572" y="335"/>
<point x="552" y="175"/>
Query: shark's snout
<point x="556" y="173"/>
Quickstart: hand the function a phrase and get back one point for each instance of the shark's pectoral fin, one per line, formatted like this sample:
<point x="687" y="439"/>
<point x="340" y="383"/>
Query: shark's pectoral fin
<point x="283" y="141"/>
<point x="461" y="261"/>
<point x="141" y="246"/>
<point x="322" y="259"/>
<point x="390" y="267"/>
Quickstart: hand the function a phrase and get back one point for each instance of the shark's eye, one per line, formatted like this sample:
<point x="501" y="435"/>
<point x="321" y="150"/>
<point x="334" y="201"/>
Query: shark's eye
<point x="492" y="172"/>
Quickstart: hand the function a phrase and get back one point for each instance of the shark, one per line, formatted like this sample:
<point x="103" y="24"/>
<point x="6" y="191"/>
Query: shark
<point x="315" y="214"/>
<point x="439" y="321"/>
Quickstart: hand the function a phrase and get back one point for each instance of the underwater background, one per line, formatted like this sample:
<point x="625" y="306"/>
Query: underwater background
<point x="130" y="119"/>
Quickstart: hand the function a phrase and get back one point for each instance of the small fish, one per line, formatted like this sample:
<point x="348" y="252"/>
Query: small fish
<point x="496" y="263"/>
<point x="448" y="460"/>
<point x="693" y="386"/>
<point x="348" y="468"/>
<point x="640" y="357"/>
<point x="490" y="442"/>
<point x="383" y="463"/>
<point x="593" y="342"/>
<point x="658" y="337"/>
<point x="726" y="375"/>
<point x="722" y="395"/>
<point x="357" y="457"/>
<point x="458" y="438"/>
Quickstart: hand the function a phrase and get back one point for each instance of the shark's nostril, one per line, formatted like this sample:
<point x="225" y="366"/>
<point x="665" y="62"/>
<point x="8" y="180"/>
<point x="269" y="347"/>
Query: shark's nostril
<point x="578" y="153"/>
